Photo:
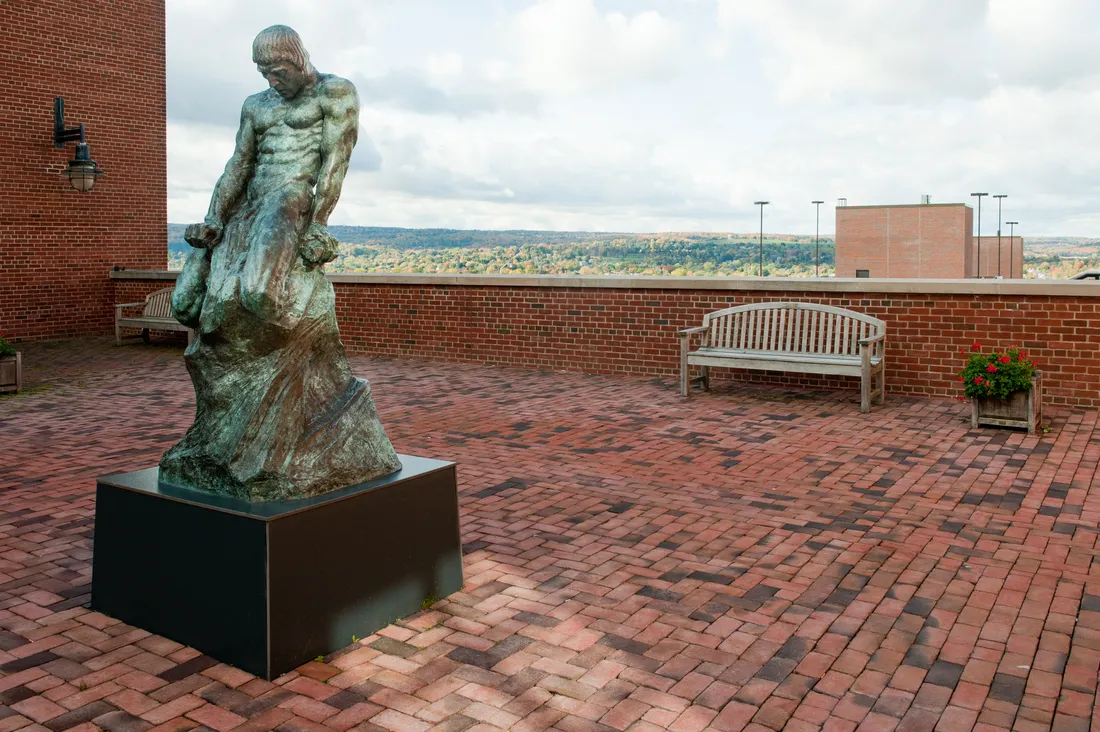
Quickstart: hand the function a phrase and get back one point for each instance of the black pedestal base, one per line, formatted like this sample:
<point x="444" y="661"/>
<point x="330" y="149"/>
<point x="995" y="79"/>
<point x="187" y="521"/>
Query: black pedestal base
<point x="269" y="586"/>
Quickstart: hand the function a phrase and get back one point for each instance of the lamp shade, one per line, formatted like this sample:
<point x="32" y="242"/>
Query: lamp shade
<point x="82" y="171"/>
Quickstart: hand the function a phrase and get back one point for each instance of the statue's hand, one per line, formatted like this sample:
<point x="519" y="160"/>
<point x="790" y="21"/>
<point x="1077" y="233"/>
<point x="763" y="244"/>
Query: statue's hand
<point x="205" y="235"/>
<point x="318" y="247"/>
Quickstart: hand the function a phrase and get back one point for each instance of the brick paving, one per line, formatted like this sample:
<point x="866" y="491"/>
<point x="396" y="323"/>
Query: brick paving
<point x="752" y="559"/>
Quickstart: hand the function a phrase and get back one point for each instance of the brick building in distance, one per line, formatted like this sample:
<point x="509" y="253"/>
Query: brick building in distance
<point x="919" y="241"/>
<point x="57" y="244"/>
<point x="1010" y="263"/>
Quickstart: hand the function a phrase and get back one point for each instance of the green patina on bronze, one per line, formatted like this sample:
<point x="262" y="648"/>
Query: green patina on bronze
<point x="278" y="412"/>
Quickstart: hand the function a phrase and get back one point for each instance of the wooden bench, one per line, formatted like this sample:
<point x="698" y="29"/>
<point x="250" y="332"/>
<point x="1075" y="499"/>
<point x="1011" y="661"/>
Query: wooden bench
<point x="156" y="314"/>
<point x="793" y="337"/>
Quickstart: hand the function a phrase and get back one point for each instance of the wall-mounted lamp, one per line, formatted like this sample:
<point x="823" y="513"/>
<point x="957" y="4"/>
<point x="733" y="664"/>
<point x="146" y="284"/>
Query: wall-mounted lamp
<point x="81" y="171"/>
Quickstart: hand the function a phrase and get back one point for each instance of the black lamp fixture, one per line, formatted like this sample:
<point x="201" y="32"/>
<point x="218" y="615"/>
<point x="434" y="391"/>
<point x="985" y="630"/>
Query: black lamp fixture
<point x="81" y="171"/>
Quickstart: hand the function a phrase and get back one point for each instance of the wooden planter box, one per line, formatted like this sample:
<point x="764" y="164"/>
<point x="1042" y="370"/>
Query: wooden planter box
<point x="11" y="372"/>
<point x="1022" y="409"/>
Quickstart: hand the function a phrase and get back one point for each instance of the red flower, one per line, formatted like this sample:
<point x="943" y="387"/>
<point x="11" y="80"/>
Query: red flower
<point x="976" y="347"/>
<point x="991" y="368"/>
<point x="979" y="380"/>
<point x="1005" y="359"/>
<point x="1023" y="356"/>
<point x="961" y="379"/>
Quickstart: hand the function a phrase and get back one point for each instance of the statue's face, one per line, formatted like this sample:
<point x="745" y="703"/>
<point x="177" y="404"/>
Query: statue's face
<point x="284" y="77"/>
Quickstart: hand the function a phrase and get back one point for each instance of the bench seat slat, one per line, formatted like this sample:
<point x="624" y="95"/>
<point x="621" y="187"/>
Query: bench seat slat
<point x="754" y="362"/>
<point x="152" y="323"/>
<point x="784" y="356"/>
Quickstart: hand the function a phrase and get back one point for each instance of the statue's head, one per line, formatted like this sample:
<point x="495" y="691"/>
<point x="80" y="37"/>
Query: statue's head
<point x="282" y="59"/>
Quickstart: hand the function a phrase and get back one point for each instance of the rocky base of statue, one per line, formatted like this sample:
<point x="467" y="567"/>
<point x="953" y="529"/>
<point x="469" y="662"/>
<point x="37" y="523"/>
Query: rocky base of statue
<point x="279" y="414"/>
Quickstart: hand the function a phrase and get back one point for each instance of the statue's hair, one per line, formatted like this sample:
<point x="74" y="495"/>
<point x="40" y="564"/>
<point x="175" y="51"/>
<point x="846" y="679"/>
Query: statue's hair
<point x="280" y="43"/>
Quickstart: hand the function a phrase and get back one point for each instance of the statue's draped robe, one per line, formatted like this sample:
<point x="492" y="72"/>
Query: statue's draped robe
<point x="278" y="412"/>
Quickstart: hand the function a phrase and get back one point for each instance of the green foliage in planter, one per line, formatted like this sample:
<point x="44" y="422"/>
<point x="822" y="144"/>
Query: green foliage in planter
<point x="6" y="349"/>
<point x="996" y="375"/>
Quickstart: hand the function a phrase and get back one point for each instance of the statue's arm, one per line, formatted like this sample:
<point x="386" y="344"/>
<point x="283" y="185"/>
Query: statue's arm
<point x="237" y="172"/>
<point x="339" y="133"/>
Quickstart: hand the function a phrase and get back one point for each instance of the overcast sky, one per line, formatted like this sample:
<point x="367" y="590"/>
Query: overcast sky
<point x="669" y="115"/>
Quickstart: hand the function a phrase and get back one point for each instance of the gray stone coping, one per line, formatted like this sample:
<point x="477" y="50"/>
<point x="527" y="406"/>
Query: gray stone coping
<point x="1034" y="288"/>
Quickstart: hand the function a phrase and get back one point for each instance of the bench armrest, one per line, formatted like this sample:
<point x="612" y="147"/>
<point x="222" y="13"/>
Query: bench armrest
<point x="688" y="332"/>
<point x="872" y="339"/>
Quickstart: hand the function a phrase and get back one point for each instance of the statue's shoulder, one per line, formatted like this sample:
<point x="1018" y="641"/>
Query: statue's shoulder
<point x="336" y="87"/>
<point x="254" y="102"/>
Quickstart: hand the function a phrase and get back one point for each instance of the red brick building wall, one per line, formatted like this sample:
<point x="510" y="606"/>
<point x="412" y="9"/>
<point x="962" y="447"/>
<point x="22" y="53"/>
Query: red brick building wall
<point x="928" y="241"/>
<point x="1012" y="255"/>
<point x="626" y="330"/>
<point x="106" y="58"/>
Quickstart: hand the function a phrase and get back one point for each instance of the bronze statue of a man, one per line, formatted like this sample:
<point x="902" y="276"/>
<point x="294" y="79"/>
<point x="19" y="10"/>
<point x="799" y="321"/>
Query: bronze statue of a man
<point x="278" y="412"/>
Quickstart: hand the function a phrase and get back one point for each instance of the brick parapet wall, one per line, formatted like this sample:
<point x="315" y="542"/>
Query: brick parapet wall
<point x="620" y="329"/>
<point x="57" y="244"/>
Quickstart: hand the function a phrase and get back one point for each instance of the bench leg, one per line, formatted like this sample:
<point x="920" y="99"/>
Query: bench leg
<point x="118" y="333"/>
<point x="685" y="381"/>
<point x="865" y="388"/>
<point x="882" y="384"/>
<point x="190" y="336"/>
<point x="706" y="378"/>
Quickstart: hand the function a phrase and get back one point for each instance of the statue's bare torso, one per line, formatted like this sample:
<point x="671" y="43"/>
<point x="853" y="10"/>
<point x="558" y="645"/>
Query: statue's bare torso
<point x="288" y="138"/>
<point x="290" y="141"/>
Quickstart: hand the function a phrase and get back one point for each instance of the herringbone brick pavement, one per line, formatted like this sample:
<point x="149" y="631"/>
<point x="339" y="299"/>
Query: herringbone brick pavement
<point x="744" y="560"/>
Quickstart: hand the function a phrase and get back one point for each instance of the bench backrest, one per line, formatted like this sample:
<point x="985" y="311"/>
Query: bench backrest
<point x="158" y="304"/>
<point x="791" y="327"/>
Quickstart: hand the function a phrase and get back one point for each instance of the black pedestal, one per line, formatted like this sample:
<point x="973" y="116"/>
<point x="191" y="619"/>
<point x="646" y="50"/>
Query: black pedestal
<point x="268" y="586"/>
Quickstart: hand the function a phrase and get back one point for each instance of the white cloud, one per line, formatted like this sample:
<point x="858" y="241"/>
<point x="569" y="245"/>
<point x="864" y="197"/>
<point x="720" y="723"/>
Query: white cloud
<point x="1047" y="44"/>
<point x="567" y="46"/>
<point x="444" y="67"/>
<point x="889" y="51"/>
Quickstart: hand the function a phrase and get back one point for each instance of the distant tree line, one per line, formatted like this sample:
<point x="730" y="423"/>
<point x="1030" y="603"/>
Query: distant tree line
<point x="380" y="249"/>
<point x="391" y="249"/>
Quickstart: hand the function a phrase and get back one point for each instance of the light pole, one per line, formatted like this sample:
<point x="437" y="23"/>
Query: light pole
<point x="979" y="195"/>
<point x="761" y="204"/>
<point x="817" y="240"/>
<point x="1011" y="244"/>
<point x="999" y="196"/>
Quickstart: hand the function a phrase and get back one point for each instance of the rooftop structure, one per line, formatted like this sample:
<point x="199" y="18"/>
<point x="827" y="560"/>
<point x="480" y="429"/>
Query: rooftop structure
<point x="920" y="241"/>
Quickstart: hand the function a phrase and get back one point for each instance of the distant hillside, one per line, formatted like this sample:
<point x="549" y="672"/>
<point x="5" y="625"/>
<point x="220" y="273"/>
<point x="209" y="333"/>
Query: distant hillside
<point x="445" y="238"/>
<point x="389" y="249"/>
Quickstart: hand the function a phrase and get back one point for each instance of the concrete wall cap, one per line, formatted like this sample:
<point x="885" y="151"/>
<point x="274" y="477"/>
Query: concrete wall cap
<point x="1029" y="287"/>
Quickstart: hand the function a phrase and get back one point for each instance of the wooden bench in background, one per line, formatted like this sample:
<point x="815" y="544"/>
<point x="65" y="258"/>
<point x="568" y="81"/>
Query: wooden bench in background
<point x="792" y="337"/>
<point x="156" y="314"/>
